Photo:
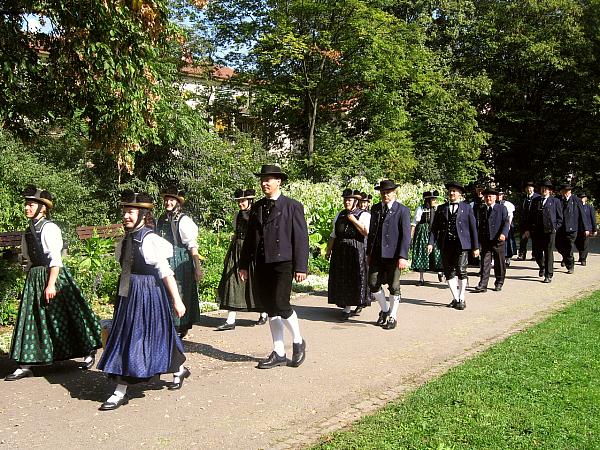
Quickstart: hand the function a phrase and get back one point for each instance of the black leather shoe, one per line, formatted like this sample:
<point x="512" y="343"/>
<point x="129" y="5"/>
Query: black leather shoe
<point x="421" y="282"/>
<point x="88" y="365"/>
<point x="273" y="360"/>
<point x="452" y="304"/>
<point x="110" y="406"/>
<point x="357" y="311"/>
<point x="176" y="386"/>
<point x="479" y="289"/>
<point x="507" y="262"/>
<point x="562" y="264"/>
<point x="498" y="287"/>
<point x="299" y="354"/>
<point x="541" y="273"/>
<point x="390" y="324"/>
<point x="262" y="320"/>
<point x="226" y="326"/>
<point x="382" y="318"/>
<point x="24" y="374"/>
<point x="547" y="280"/>
<point x="461" y="305"/>
<point x="440" y="277"/>
<point x="345" y="316"/>
<point x="570" y="271"/>
<point x="182" y="333"/>
<point x="583" y="263"/>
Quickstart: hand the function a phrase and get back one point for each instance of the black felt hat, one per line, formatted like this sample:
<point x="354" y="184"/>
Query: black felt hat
<point x="547" y="184"/>
<point x="567" y="186"/>
<point x="136" y="199"/>
<point x="583" y="194"/>
<point x="490" y="190"/>
<point x="365" y="198"/>
<point x="529" y="183"/>
<point x="386" y="185"/>
<point x="241" y="194"/>
<point x="271" y="170"/>
<point x="349" y="193"/>
<point x="455" y="185"/>
<point x="38" y="195"/>
<point x="174" y="192"/>
<point x="427" y="194"/>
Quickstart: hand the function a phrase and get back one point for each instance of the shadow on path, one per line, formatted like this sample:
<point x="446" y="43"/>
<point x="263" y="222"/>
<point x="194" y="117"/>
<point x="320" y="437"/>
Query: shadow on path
<point x="215" y="353"/>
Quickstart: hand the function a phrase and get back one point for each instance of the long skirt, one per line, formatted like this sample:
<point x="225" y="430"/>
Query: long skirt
<point x="421" y="260"/>
<point x="62" y="329"/>
<point x="183" y="266"/>
<point x="348" y="274"/>
<point x="233" y="294"/>
<point x="142" y="342"/>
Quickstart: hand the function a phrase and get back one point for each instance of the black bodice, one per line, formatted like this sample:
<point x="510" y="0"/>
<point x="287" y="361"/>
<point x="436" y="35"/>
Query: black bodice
<point x="33" y="238"/>
<point x="344" y="229"/>
<point x="241" y="224"/>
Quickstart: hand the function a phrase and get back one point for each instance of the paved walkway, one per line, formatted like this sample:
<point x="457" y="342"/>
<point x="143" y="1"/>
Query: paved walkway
<point x="351" y="369"/>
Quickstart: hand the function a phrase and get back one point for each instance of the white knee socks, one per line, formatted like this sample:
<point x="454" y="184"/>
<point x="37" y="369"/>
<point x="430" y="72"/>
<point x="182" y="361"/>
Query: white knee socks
<point x="231" y="317"/>
<point x="462" y="286"/>
<point x="347" y="309"/>
<point x="293" y="327"/>
<point x="380" y="296"/>
<point x="394" y="305"/>
<point x="453" y="285"/>
<point x="276" y="325"/>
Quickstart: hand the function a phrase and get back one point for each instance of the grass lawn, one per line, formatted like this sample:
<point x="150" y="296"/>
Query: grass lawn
<point x="538" y="389"/>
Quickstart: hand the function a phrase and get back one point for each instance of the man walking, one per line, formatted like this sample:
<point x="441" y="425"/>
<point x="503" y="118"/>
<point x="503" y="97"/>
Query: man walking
<point x="492" y="227"/>
<point x="589" y="217"/>
<point x="455" y="231"/>
<point x="387" y="251"/>
<point x="530" y="195"/>
<point x="277" y="241"/>
<point x="573" y="222"/>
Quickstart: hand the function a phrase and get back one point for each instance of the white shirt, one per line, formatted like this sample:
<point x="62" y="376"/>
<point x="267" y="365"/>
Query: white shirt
<point x="418" y="214"/>
<point x="188" y="232"/>
<point x="52" y="244"/>
<point x="156" y="252"/>
<point x="364" y="219"/>
<point x="511" y="210"/>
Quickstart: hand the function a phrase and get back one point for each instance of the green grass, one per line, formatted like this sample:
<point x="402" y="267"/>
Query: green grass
<point x="539" y="389"/>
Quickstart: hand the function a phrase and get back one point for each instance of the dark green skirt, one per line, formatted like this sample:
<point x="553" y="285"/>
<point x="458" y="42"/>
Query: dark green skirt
<point x="63" y="329"/>
<point x="421" y="260"/>
<point x="183" y="266"/>
<point x="233" y="294"/>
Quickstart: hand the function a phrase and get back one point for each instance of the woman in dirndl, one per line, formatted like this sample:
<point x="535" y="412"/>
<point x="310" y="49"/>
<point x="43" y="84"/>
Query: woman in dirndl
<point x="348" y="261"/>
<point x="233" y="294"/>
<point x="143" y="342"/>
<point x="54" y="322"/>
<point x="421" y="260"/>
<point x="181" y="231"/>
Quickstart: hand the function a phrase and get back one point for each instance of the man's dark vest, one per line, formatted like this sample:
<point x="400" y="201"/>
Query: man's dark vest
<point x="451" y="231"/>
<point x="33" y="238"/>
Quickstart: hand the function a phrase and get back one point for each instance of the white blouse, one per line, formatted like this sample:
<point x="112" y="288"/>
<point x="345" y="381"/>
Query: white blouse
<point x="52" y="243"/>
<point x="188" y="232"/>
<point x="156" y="252"/>
<point x="418" y="214"/>
<point x="364" y="219"/>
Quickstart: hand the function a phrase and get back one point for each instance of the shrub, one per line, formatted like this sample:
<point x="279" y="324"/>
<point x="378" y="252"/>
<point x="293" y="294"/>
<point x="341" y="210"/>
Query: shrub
<point x="12" y="280"/>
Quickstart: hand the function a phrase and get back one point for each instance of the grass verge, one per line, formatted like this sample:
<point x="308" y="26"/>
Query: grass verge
<point x="537" y="389"/>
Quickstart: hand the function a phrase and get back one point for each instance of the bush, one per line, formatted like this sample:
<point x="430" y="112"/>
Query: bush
<point x="12" y="280"/>
<point x="212" y="247"/>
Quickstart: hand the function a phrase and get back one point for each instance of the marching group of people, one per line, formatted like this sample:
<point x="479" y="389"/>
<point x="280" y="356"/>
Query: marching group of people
<point x="157" y="301"/>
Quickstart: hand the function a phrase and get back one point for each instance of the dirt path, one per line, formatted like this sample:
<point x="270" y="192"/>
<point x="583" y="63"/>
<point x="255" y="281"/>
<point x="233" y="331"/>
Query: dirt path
<point x="352" y="368"/>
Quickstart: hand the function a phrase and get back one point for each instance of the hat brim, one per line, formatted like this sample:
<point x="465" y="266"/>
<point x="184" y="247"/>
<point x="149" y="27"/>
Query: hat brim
<point x="246" y="197"/>
<point x="179" y="198"/>
<point x="382" y="188"/>
<point x="455" y="186"/>
<point x="137" y="205"/>
<point x="44" y="201"/>
<point x="281" y="175"/>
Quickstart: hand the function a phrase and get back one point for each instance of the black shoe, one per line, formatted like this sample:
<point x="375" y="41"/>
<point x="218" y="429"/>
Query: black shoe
<point x="547" y="280"/>
<point x="583" y="263"/>
<point x="452" y="304"/>
<point x="562" y="264"/>
<point x="498" y="287"/>
<point x="273" y="360"/>
<point x="521" y="258"/>
<point x="24" y="374"/>
<point x="480" y="289"/>
<point x="176" y="386"/>
<point x="421" y="282"/>
<point x="357" y="311"/>
<point x="226" y="326"/>
<point x="182" y="333"/>
<point x="345" y="316"/>
<point x="461" y="305"/>
<point x="382" y="318"/>
<point x="110" y="406"/>
<point x="541" y="273"/>
<point x="570" y="271"/>
<point x="440" y="277"/>
<point x="390" y="324"/>
<point x="262" y="320"/>
<point x="90" y="364"/>
<point x="507" y="262"/>
<point x="299" y="354"/>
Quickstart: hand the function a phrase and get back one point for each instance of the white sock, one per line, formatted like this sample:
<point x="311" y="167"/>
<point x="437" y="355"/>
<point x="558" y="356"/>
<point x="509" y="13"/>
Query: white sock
<point x="21" y="369"/>
<point x="347" y="309"/>
<point x="231" y="317"/>
<point x="453" y="285"/>
<point x="394" y="305"/>
<point x="89" y="358"/>
<point x="380" y="296"/>
<point x="293" y="326"/>
<point x="276" y="325"/>
<point x="119" y="393"/>
<point x="462" y="286"/>
<point x="177" y="375"/>
<point x="263" y="315"/>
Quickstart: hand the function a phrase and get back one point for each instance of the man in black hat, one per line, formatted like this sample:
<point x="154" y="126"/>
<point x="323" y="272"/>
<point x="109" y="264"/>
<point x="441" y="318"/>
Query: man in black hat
<point x="388" y="244"/>
<point x="277" y="241"/>
<point x="493" y="227"/>
<point x="546" y="216"/>
<point x="530" y="195"/>
<point x="573" y="222"/>
<point x="455" y="231"/>
<point x="589" y="216"/>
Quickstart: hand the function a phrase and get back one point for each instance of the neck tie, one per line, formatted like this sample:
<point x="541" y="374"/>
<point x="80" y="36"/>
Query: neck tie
<point x="489" y="211"/>
<point x="266" y="209"/>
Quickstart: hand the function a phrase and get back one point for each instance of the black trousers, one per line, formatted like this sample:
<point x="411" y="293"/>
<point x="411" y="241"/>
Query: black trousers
<point x="272" y="285"/>
<point x="543" y="248"/>
<point x="564" y="245"/>
<point x="492" y="250"/>
<point x="384" y="271"/>
<point x="582" y="243"/>
<point x="454" y="260"/>
<point x="523" y="246"/>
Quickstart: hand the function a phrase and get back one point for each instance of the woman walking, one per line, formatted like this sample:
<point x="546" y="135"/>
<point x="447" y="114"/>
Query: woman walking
<point x="423" y="261"/>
